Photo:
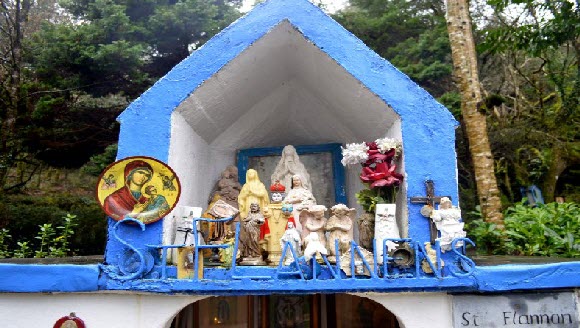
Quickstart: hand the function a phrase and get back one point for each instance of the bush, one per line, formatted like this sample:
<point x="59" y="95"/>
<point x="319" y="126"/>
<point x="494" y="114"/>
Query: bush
<point x="23" y="215"/>
<point x="546" y="230"/>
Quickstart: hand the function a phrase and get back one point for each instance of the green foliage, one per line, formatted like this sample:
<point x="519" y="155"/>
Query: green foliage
<point x="531" y="54"/>
<point x="52" y="244"/>
<point x="412" y="35"/>
<point x="23" y="250"/>
<point x="23" y="214"/>
<point x="4" y="236"/>
<point x="368" y="199"/>
<point x="452" y="100"/>
<point x="61" y="244"/>
<point x="546" y="230"/>
<point x="45" y="235"/>
<point x="99" y="162"/>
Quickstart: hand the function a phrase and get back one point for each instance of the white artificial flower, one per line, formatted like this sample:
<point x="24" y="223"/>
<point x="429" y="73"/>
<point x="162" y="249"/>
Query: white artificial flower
<point x="386" y="144"/>
<point x="354" y="154"/>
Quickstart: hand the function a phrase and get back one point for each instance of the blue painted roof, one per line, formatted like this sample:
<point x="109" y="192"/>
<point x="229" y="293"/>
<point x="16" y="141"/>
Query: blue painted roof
<point x="428" y="128"/>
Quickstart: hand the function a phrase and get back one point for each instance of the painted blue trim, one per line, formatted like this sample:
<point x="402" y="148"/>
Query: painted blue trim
<point x="527" y="277"/>
<point x="31" y="278"/>
<point x="18" y="278"/>
<point x="332" y="148"/>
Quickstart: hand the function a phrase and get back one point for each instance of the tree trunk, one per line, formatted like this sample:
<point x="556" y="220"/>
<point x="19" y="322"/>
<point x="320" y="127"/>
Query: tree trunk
<point x="466" y="73"/>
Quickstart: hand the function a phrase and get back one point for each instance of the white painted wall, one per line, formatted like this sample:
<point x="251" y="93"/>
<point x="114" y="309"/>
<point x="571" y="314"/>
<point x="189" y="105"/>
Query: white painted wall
<point x="107" y="310"/>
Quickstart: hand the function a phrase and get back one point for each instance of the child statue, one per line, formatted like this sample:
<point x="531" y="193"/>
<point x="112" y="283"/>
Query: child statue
<point x="273" y="229"/>
<point x="291" y="236"/>
<point x="313" y="246"/>
<point x="250" y="251"/>
<point x="288" y="166"/>
<point x="340" y="227"/>
<point x="313" y="220"/>
<point x="299" y="196"/>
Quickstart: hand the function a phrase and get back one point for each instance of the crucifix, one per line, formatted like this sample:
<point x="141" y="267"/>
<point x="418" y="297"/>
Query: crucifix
<point x="430" y="200"/>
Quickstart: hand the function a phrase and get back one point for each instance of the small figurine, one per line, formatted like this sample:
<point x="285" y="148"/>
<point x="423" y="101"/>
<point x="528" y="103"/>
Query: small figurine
<point x="250" y="251"/>
<point x="366" y="230"/>
<point x="299" y="196"/>
<point x="313" y="246"/>
<point x="226" y="254"/>
<point x="253" y="192"/>
<point x="275" y="225"/>
<point x="313" y="220"/>
<point x="278" y="192"/>
<point x="447" y="220"/>
<point x="385" y="228"/>
<point x="288" y="166"/>
<point x="340" y="227"/>
<point x="227" y="187"/>
<point x="291" y="236"/>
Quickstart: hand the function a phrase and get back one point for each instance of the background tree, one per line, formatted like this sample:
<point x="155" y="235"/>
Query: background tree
<point x="535" y="115"/>
<point x="467" y="74"/>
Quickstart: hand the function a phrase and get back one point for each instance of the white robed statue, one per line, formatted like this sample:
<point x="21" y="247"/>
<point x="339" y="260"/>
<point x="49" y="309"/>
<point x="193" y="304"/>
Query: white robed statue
<point x="288" y="166"/>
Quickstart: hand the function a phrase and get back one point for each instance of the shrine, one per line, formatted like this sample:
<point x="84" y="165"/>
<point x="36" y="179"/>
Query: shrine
<point x="241" y="234"/>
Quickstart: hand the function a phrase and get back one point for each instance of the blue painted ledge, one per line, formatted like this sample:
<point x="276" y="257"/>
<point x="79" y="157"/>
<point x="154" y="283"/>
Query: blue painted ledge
<point x="529" y="277"/>
<point x="19" y="278"/>
<point x="32" y="278"/>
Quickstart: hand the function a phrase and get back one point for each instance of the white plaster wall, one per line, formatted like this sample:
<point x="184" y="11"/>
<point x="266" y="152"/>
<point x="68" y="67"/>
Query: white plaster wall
<point x="106" y="310"/>
<point x="97" y="310"/>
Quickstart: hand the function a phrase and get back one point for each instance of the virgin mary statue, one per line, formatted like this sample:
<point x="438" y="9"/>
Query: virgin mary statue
<point x="288" y="166"/>
<point x="253" y="192"/>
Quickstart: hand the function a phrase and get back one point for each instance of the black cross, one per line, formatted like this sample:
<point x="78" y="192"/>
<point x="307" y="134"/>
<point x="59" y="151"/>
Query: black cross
<point x="430" y="201"/>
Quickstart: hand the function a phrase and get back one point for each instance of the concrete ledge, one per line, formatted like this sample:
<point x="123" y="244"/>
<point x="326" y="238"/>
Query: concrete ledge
<point x="21" y="278"/>
<point x="513" y="277"/>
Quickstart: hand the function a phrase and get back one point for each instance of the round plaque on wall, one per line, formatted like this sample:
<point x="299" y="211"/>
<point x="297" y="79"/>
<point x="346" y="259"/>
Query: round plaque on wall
<point x="139" y="187"/>
<point x="69" y="321"/>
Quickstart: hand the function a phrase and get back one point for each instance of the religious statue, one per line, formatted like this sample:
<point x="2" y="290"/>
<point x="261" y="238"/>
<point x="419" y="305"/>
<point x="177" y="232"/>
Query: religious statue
<point x="288" y="166"/>
<point x="447" y="220"/>
<point x="300" y="197"/>
<point x="291" y="236"/>
<point x="366" y="230"/>
<point x="314" y="246"/>
<point x="250" y="251"/>
<point x="313" y="220"/>
<point x="278" y="192"/>
<point x="226" y="254"/>
<point x="223" y="203"/>
<point x="385" y="228"/>
<point x="340" y="227"/>
<point x="228" y="187"/>
<point x="253" y="192"/>
<point x="275" y="225"/>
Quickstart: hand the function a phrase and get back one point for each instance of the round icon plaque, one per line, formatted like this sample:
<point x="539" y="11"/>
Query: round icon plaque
<point x="69" y="321"/>
<point x="138" y="187"/>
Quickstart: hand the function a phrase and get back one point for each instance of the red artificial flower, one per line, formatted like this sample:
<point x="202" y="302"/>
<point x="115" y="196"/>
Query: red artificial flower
<point x="375" y="155"/>
<point x="381" y="175"/>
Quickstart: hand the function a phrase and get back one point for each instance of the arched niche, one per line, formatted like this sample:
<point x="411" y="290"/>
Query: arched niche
<point x="307" y="311"/>
<point x="281" y="90"/>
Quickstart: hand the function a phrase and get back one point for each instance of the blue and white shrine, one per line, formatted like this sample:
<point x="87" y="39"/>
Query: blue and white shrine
<point x="284" y="74"/>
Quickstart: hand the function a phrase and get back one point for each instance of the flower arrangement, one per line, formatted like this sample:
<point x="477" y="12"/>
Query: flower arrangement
<point x="378" y="170"/>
